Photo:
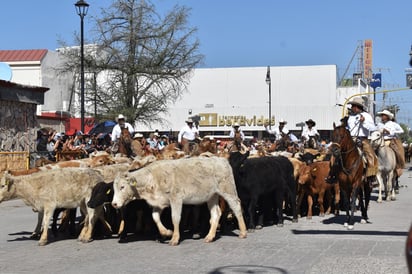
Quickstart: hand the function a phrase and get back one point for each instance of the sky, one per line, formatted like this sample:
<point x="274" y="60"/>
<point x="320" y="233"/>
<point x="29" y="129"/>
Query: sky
<point x="246" y="33"/>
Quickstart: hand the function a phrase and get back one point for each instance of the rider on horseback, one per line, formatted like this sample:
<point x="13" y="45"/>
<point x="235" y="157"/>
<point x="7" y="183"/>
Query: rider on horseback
<point x="360" y="124"/>
<point x="237" y="135"/>
<point x="390" y="130"/>
<point x="310" y="132"/>
<point x="117" y="131"/>
<point x="187" y="136"/>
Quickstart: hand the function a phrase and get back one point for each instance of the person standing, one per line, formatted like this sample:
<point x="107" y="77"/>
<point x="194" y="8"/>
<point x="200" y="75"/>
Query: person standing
<point x="187" y="135"/>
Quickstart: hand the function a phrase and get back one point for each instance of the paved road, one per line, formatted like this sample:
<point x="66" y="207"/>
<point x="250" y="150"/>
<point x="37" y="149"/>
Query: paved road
<point x="320" y="245"/>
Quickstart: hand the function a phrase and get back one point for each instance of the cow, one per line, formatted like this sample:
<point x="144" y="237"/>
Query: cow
<point x="312" y="182"/>
<point x="58" y="188"/>
<point x="183" y="181"/>
<point x="264" y="180"/>
<point x="125" y="220"/>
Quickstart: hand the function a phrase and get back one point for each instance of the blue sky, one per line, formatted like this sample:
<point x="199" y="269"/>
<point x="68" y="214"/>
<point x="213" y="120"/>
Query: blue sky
<point x="239" y="33"/>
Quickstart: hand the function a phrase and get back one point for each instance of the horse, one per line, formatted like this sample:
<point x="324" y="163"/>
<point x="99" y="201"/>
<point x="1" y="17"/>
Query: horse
<point x="125" y="143"/>
<point x="387" y="166"/>
<point x="348" y="167"/>
<point x="311" y="143"/>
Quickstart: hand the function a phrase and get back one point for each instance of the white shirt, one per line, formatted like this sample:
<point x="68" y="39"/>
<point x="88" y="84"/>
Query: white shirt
<point x="392" y="127"/>
<point x="187" y="133"/>
<point x="276" y="132"/>
<point x="232" y="133"/>
<point x="309" y="132"/>
<point x="117" y="131"/>
<point x="358" y="128"/>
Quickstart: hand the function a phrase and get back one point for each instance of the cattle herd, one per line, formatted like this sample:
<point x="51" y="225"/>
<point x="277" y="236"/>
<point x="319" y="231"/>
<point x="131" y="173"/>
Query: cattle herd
<point x="163" y="196"/>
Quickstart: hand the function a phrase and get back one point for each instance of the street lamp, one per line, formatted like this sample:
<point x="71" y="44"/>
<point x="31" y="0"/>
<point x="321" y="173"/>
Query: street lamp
<point x="269" y="82"/>
<point x="81" y="8"/>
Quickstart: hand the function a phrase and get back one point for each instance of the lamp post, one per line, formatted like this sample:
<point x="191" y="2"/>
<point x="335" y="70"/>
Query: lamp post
<point x="81" y="8"/>
<point x="269" y="82"/>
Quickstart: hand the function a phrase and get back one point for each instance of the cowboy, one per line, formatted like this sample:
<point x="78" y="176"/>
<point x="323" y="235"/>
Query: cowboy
<point x="187" y="134"/>
<point x="236" y="132"/>
<point x="390" y="130"/>
<point x="137" y="146"/>
<point x="360" y="124"/>
<point x="279" y="131"/>
<point x="310" y="131"/>
<point x="117" y="129"/>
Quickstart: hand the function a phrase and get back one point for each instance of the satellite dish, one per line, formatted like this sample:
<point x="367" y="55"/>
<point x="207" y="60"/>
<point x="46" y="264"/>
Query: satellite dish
<point x="5" y="72"/>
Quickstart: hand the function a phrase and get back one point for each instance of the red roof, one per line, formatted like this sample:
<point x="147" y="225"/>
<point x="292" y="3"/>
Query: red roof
<point x="22" y="55"/>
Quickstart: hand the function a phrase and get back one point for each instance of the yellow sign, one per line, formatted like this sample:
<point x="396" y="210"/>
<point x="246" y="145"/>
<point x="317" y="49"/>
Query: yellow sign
<point x="215" y="120"/>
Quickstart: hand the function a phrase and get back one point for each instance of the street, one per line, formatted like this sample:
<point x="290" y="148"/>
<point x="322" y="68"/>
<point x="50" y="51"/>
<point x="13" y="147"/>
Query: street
<point x="320" y="245"/>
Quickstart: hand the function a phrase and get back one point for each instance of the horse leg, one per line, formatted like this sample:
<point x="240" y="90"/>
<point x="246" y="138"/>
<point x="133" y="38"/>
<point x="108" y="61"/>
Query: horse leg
<point x="352" y="201"/>
<point x="367" y="192"/>
<point x="391" y="186"/>
<point x="380" y="181"/>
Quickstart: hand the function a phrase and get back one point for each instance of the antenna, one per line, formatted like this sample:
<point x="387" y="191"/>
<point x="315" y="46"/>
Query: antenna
<point x="5" y="72"/>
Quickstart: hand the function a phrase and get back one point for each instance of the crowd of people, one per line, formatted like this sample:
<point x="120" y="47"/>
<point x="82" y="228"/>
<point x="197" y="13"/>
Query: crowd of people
<point x="359" y="122"/>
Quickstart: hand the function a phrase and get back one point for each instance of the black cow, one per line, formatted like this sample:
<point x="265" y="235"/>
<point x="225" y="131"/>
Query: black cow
<point x="103" y="193"/>
<point x="263" y="184"/>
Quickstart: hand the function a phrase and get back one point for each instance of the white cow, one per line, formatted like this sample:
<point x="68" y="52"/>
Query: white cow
<point x="182" y="181"/>
<point x="57" y="188"/>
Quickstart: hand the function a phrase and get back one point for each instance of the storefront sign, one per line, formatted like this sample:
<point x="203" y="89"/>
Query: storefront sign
<point x="216" y="120"/>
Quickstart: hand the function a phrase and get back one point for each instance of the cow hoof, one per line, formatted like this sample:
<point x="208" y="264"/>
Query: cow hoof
<point x="35" y="236"/>
<point x="173" y="242"/>
<point x="42" y="243"/>
<point x="208" y="239"/>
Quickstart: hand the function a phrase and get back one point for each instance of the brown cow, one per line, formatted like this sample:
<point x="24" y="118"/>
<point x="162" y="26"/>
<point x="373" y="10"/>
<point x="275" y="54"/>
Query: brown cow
<point x="311" y="182"/>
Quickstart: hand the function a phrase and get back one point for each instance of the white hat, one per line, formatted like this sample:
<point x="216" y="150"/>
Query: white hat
<point x="120" y="117"/>
<point x="387" y="113"/>
<point x="189" y="120"/>
<point x="358" y="101"/>
<point x="282" y="121"/>
<point x="137" y="135"/>
<point x="236" y="124"/>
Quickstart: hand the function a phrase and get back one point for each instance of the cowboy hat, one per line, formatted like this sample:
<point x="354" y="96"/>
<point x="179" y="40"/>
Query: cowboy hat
<point x="137" y="135"/>
<point x="236" y="124"/>
<point x="387" y="113"/>
<point x="282" y="121"/>
<point x="310" y="121"/>
<point x="357" y="101"/>
<point x="120" y="117"/>
<point x="189" y="120"/>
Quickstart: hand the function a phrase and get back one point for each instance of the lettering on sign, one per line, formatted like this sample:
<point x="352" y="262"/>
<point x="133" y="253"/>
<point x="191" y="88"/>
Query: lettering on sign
<point x="215" y="120"/>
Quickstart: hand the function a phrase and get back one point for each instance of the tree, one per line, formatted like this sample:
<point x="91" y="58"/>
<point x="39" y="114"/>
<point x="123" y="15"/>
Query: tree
<point x="139" y="62"/>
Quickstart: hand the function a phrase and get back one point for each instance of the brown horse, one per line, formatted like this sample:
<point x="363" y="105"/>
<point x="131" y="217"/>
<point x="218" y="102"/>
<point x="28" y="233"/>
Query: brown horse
<point x="348" y="168"/>
<point x="125" y="143"/>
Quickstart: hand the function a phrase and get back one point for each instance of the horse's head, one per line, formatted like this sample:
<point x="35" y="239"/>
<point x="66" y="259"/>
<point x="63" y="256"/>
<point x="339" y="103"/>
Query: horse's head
<point x="340" y="134"/>
<point x="376" y="139"/>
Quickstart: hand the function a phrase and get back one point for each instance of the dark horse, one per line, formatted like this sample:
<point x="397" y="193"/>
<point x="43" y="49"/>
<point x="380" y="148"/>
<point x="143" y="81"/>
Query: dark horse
<point x="125" y="143"/>
<point x="348" y="168"/>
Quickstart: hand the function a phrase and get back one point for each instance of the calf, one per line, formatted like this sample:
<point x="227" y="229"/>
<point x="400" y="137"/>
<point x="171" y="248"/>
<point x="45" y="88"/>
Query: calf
<point x="47" y="190"/>
<point x="312" y="182"/>
<point x="265" y="180"/>
<point x="182" y="181"/>
<point x="126" y="220"/>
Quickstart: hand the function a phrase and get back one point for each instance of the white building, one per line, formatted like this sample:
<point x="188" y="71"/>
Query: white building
<point x="223" y="96"/>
